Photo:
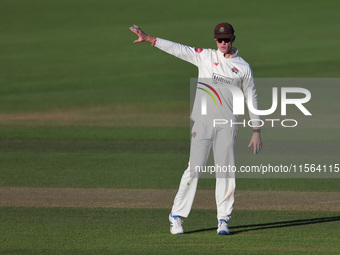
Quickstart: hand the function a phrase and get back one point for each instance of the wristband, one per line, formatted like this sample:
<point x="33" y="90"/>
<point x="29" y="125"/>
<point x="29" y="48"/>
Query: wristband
<point x="256" y="130"/>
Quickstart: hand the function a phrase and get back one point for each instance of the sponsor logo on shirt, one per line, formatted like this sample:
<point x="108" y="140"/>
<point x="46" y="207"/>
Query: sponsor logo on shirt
<point x="217" y="78"/>
<point x="198" y="50"/>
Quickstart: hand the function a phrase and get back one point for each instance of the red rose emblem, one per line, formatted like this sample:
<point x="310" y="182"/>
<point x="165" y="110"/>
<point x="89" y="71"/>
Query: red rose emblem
<point x="235" y="70"/>
<point x="198" y="50"/>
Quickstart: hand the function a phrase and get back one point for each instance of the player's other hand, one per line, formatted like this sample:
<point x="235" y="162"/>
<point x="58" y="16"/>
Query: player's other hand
<point x="142" y="37"/>
<point x="256" y="142"/>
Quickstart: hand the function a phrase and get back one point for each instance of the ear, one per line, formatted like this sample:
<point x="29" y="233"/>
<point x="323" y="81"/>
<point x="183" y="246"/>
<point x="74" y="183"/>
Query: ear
<point x="234" y="37"/>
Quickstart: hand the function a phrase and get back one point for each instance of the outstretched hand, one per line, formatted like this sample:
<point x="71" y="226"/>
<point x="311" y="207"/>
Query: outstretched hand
<point x="142" y="37"/>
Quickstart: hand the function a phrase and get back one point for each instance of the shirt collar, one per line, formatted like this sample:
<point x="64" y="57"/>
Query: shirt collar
<point x="235" y="50"/>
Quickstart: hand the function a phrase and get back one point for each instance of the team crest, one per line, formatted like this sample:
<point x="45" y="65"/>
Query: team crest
<point x="234" y="70"/>
<point x="221" y="29"/>
<point x="193" y="134"/>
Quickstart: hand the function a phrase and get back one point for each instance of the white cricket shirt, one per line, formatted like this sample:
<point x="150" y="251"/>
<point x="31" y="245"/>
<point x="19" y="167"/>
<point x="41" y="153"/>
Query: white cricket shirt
<point x="217" y="77"/>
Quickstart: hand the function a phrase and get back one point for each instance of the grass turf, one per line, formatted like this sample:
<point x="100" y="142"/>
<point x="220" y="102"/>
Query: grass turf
<point x="97" y="157"/>
<point x="145" y="231"/>
<point x="76" y="58"/>
<point x="78" y="53"/>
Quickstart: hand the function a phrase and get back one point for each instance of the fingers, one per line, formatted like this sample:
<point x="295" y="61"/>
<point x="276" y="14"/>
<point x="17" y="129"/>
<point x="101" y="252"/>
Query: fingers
<point x="256" y="142"/>
<point x="135" y="29"/>
<point x="250" y="144"/>
<point x="257" y="148"/>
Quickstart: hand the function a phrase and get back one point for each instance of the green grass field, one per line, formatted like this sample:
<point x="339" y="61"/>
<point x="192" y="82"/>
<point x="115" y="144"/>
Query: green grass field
<point x="104" y="231"/>
<point x="82" y="106"/>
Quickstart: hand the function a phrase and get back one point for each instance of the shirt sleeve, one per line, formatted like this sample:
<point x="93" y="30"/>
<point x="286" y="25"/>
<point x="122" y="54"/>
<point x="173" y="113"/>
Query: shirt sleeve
<point x="187" y="53"/>
<point x="250" y="94"/>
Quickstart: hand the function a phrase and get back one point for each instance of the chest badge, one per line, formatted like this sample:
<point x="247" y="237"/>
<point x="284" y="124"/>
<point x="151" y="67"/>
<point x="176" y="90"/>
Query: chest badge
<point x="234" y="70"/>
<point x="216" y="64"/>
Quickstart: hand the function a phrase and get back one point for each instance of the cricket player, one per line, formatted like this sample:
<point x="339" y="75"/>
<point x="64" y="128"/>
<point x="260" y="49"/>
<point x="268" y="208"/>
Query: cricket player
<point x="222" y="73"/>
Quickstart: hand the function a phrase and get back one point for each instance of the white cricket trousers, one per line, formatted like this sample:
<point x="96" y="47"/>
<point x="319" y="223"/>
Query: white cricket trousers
<point x="222" y="140"/>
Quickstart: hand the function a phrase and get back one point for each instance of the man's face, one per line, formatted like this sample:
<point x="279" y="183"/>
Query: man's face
<point x="225" y="44"/>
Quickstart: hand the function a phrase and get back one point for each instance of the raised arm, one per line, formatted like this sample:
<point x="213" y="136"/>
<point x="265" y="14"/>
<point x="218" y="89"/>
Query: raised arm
<point x="187" y="53"/>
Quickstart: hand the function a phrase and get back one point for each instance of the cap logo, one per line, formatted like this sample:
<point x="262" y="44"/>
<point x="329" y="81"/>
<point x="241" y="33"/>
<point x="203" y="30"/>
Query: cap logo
<point x="221" y="29"/>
